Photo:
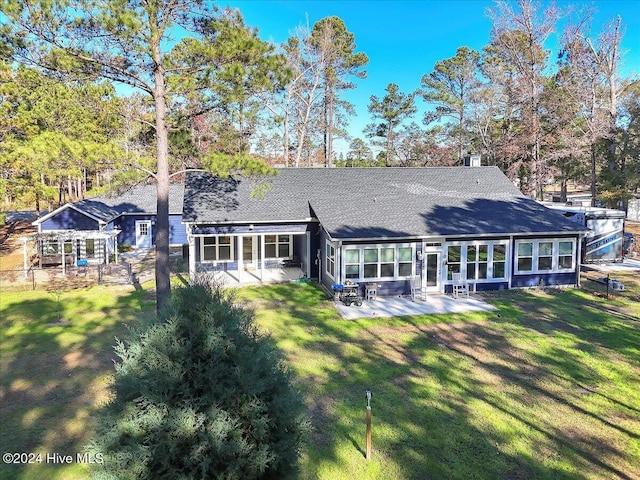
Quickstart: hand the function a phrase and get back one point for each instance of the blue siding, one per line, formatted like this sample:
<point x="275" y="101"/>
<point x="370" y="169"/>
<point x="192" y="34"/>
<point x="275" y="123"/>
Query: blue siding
<point x="177" y="230"/>
<point x="70" y="219"/>
<point x="550" y="279"/>
<point x="482" y="287"/>
<point x="127" y="223"/>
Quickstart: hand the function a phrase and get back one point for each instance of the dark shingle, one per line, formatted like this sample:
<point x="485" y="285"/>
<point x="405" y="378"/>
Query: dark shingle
<point x="378" y="202"/>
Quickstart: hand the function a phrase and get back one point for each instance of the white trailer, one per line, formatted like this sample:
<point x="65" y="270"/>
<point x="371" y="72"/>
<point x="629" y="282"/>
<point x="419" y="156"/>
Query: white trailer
<point x="605" y="237"/>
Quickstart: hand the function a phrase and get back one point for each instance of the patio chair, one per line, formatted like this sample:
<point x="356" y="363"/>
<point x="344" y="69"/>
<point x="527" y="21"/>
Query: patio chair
<point x="460" y="285"/>
<point x="417" y="290"/>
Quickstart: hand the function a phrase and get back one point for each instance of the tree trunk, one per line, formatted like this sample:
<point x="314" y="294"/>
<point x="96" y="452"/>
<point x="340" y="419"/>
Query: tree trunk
<point x="594" y="189"/>
<point x="163" y="281"/>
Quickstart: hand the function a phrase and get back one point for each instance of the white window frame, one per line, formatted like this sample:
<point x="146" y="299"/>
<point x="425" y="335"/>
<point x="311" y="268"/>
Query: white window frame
<point x="216" y="247"/>
<point x="277" y="244"/>
<point x="330" y="259"/>
<point x="555" y="256"/>
<point x="490" y="244"/>
<point x="396" y="261"/>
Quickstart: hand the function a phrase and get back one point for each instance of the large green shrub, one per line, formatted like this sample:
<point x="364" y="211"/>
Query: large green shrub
<point x="200" y="394"/>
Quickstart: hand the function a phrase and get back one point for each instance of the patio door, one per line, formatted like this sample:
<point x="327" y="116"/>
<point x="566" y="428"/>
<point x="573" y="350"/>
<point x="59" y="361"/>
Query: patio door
<point x="432" y="272"/>
<point x="143" y="234"/>
<point x="250" y="252"/>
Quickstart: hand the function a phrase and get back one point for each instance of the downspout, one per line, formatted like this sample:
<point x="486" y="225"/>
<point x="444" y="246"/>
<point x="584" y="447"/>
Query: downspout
<point x="191" y="241"/>
<point x="339" y="263"/>
<point x="308" y="237"/>
<point x="579" y="259"/>
<point x="512" y="253"/>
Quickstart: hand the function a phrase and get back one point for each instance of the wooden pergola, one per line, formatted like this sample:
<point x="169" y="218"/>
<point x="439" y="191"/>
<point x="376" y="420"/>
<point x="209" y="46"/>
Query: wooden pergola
<point x="61" y="238"/>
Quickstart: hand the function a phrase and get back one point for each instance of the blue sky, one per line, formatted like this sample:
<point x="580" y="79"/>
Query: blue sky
<point x="404" y="39"/>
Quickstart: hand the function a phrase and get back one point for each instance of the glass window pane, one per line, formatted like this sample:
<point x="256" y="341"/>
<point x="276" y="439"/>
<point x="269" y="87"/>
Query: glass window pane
<point x="499" y="252"/>
<point x="283" y="238"/>
<point x="270" y="250"/>
<point x="498" y="270"/>
<point x="404" y="269"/>
<point x="370" y="255"/>
<point x="471" y="253"/>
<point x="386" y="269"/>
<point x="387" y="254"/>
<point x="545" y="248"/>
<point x="224" y="241"/>
<point x="483" y="253"/>
<point x="209" y="240"/>
<point x="352" y="271"/>
<point x="471" y="271"/>
<point x="453" y="254"/>
<point x="525" y="249"/>
<point x="224" y="252"/>
<point x="352" y="256"/>
<point x="209" y="253"/>
<point x="565" y="261"/>
<point x="544" y="263"/>
<point x="270" y="238"/>
<point x="405" y="254"/>
<point x="482" y="270"/>
<point x="283" y="250"/>
<point x="565" y="248"/>
<point x="524" y="264"/>
<point x="371" y="270"/>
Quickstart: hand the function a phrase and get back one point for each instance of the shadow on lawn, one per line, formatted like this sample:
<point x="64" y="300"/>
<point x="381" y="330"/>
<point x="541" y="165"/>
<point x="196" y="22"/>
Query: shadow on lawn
<point x="465" y="399"/>
<point x="55" y="366"/>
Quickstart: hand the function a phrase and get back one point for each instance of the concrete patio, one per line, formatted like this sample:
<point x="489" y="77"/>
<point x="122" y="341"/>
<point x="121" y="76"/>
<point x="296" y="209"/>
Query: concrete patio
<point x="399" y="306"/>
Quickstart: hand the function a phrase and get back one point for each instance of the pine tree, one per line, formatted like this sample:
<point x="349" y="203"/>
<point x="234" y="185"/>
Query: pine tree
<point x="200" y="394"/>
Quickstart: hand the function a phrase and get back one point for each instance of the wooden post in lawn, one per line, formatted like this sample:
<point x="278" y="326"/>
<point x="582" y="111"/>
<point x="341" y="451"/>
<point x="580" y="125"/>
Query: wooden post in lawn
<point x="368" y="421"/>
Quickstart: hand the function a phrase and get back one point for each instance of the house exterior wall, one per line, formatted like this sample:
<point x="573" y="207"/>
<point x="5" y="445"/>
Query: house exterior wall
<point x="554" y="276"/>
<point x="70" y="219"/>
<point x="487" y="263"/>
<point x="127" y="225"/>
<point x="295" y="239"/>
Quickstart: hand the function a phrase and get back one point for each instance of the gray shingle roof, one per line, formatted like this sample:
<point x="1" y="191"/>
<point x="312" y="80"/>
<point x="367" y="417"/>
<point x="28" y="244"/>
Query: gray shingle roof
<point x="143" y="199"/>
<point x="378" y="202"/>
<point x="138" y="199"/>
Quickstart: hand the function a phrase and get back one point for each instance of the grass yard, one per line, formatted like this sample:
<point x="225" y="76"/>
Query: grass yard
<point x="56" y="361"/>
<point x="546" y="387"/>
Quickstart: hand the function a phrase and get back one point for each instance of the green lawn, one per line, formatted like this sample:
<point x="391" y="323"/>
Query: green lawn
<point x="546" y="387"/>
<point x="56" y="360"/>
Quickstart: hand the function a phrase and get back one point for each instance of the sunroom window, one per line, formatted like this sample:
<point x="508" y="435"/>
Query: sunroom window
<point x="368" y="262"/>
<point x="454" y="255"/>
<point x="525" y="257"/>
<point x="330" y="261"/>
<point x="277" y="246"/>
<point x="565" y="255"/>
<point x="545" y="255"/>
<point x="405" y="261"/>
<point x="216" y="249"/>
<point x="352" y="263"/>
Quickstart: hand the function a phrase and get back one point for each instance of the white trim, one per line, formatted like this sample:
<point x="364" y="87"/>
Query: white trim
<point x="396" y="261"/>
<point x="216" y="247"/>
<point x="40" y="220"/>
<point x="555" y="254"/>
<point x="464" y="261"/>
<point x="277" y="245"/>
<point x="327" y="258"/>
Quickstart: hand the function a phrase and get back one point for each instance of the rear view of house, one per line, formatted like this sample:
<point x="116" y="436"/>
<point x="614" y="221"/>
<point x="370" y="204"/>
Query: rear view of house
<point x="382" y="226"/>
